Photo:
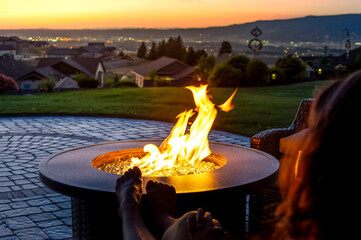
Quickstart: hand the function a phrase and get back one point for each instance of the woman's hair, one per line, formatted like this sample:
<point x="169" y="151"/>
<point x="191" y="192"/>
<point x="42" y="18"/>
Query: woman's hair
<point x="319" y="187"/>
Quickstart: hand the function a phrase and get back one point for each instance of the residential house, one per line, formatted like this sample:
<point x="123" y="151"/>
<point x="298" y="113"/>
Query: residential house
<point x="98" y="44"/>
<point x="332" y="62"/>
<point x="12" y="68"/>
<point x="11" y="41"/>
<point x="66" y="83"/>
<point x="91" y="51"/>
<point x="173" y="70"/>
<point x="9" y="51"/>
<point x="62" y="52"/>
<point x="60" y="68"/>
<point x="96" y="49"/>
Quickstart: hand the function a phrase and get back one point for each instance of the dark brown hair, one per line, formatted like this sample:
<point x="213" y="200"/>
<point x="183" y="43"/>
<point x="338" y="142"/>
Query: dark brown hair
<point x="321" y="201"/>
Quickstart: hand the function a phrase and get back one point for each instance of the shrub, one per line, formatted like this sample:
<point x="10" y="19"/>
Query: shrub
<point x="7" y="83"/>
<point x="85" y="81"/>
<point x="205" y="67"/>
<point x="126" y="83"/>
<point x="277" y="76"/>
<point x="257" y="73"/>
<point x="239" y="62"/>
<point x="291" y="66"/>
<point x="47" y="84"/>
<point x="225" y="75"/>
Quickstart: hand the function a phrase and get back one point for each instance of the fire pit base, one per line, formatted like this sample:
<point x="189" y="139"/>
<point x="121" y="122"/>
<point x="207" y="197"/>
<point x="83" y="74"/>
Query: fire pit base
<point x="94" y="204"/>
<point x="92" y="219"/>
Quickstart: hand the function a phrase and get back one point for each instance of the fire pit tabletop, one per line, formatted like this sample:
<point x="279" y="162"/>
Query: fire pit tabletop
<point x="72" y="173"/>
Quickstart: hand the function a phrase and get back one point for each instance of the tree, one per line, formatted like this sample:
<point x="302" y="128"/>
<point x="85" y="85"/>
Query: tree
<point x="161" y="48"/>
<point x="257" y="73"/>
<point x="291" y="66"/>
<point x="7" y="83"/>
<point x="190" y="57"/>
<point x="226" y="47"/>
<point x="175" y="48"/>
<point x="205" y="67"/>
<point x="142" y="51"/>
<point x="152" y="55"/>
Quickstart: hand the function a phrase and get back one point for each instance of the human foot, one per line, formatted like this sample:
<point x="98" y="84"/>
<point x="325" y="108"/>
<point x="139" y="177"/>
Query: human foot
<point x="162" y="201"/>
<point x="129" y="190"/>
<point x="201" y="225"/>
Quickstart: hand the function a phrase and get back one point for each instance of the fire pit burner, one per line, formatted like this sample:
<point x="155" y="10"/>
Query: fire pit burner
<point x="118" y="162"/>
<point x="94" y="204"/>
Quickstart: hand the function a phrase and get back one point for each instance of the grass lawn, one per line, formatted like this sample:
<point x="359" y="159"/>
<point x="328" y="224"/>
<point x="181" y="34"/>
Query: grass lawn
<point x="256" y="109"/>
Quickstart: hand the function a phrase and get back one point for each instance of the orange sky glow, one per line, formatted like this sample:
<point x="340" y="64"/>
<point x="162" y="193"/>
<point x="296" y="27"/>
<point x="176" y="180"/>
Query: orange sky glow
<point x="78" y="14"/>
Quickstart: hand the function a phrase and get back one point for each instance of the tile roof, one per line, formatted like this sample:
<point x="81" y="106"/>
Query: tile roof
<point x="62" y="51"/>
<point x="176" y="72"/>
<point x="87" y="65"/>
<point x="13" y="68"/>
<point x="7" y="47"/>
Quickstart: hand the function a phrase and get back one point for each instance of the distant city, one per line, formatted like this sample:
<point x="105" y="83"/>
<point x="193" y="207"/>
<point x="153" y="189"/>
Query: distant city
<point x="30" y="56"/>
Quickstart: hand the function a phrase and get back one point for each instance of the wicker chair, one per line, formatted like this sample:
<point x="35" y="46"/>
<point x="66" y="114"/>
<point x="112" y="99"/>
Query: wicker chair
<point x="268" y="141"/>
<point x="262" y="204"/>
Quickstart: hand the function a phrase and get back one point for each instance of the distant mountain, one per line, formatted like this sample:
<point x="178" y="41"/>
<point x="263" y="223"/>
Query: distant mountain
<point x="305" y="29"/>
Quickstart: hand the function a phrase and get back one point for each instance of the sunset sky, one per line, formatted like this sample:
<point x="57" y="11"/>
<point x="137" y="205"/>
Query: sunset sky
<point x="77" y="14"/>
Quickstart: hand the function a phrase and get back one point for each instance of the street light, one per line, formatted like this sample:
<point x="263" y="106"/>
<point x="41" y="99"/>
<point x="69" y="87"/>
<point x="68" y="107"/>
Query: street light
<point x="347" y="43"/>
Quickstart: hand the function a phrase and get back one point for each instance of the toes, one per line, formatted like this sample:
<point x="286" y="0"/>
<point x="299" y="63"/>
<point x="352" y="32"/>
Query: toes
<point x="200" y="218"/>
<point x="150" y="185"/>
<point x="208" y="217"/>
<point x="137" y="173"/>
<point x="192" y="225"/>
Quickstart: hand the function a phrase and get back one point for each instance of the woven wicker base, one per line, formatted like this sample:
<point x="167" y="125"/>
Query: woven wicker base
<point x="96" y="219"/>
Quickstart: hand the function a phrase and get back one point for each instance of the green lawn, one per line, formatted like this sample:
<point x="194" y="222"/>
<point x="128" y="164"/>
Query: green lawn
<point x="256" y="109"/>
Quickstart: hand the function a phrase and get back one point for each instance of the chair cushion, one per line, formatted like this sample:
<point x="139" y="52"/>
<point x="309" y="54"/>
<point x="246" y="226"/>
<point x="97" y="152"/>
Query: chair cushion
<point x="291" y="144"/>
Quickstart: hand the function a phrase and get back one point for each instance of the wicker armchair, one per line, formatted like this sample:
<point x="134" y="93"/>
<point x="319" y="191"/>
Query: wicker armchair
<point x="268" y="140"/>
<point x="262" y="204"/>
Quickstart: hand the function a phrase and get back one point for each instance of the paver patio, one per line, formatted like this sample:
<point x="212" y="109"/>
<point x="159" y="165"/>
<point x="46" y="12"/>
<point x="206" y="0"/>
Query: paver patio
<point x="29" y="210"/>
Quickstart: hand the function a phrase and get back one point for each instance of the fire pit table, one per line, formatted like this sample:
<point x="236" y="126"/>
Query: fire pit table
<point x="92" y="191"/>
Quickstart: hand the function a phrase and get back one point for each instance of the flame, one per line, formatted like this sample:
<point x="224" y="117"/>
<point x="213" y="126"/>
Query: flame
<point x="183" y="146"/>
<point x="227" y="105"/>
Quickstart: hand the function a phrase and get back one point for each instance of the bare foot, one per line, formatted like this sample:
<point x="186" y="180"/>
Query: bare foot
<point x="162" y="200"/>
<point x="129" y="190"/>
<point x="202" y="226"/>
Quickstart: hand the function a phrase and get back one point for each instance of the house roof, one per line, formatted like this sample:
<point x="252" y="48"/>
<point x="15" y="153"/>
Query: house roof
<point x="62" y="51"/>
<point x="48" y="62"/>
<point x="7" y="47"/>
<point x="161" y="65"/>
<point x="13" y="68"/>
<point x="66" y="82"/>
<point x="48" y="71"/>
<point x="93" y="49"/>
<point x="86" y="65"/>
<point x="101" y="44"/>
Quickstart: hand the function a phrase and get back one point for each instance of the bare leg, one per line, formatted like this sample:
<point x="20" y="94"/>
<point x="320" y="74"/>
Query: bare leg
<point x="129" y="192"/>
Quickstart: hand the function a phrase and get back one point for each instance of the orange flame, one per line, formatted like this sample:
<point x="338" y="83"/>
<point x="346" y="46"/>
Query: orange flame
<point x="182" y="146"/>
<point x="227" y="106"/>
